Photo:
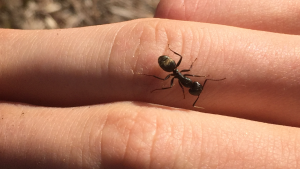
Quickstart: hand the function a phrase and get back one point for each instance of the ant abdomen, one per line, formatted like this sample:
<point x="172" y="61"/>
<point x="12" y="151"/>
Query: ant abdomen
<point x="166" y="63"/>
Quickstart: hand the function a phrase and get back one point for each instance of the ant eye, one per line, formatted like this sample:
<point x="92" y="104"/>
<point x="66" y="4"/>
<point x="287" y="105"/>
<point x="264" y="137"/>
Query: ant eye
<point x="166" y="63"/>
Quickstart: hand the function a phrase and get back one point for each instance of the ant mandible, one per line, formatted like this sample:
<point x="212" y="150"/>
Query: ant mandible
<point x="169" y="65"/>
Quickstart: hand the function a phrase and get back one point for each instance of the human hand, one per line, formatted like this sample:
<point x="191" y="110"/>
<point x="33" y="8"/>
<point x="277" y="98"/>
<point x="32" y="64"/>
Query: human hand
<point x="95" y="67"/>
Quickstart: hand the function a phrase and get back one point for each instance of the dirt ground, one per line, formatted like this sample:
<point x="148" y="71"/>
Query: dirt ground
<point x="51" y="14"/>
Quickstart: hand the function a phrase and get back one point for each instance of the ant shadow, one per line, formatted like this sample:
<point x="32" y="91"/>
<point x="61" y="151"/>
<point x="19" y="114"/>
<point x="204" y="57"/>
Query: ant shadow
<point x="153" y="105"/>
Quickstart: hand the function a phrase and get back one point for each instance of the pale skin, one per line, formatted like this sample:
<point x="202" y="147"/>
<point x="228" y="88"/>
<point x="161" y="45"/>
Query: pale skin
<point x="109" y="121"/>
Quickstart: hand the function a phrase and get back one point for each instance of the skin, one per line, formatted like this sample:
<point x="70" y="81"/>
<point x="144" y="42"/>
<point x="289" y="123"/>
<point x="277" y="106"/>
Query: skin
<point x="74" y="98"/>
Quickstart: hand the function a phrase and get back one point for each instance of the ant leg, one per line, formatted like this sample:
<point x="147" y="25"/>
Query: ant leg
<point x="195" y="103"/>
<point x="193" y="75"/>
<point x="212" y="80"/>
<point x="187" y="70"/>
<point x="172" y="84"/>
<point x="203" y="87"/>
<point x="167" y="77"/>
<point x="182" y="89"/>
<point x="176" y="54"/>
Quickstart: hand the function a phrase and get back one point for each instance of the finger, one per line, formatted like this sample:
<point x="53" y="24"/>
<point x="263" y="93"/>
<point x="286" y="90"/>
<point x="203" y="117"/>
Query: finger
<point x="138" y="135"/>
<point x="102" y="64"/>
<point x="275" y="16"/>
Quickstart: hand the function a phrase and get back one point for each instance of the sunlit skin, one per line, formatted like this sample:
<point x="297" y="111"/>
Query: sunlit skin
<point x="73" y="98"/>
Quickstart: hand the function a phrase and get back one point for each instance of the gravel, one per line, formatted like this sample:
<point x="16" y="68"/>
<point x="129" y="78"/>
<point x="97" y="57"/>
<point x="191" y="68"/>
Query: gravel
<point x="53" y="14"/>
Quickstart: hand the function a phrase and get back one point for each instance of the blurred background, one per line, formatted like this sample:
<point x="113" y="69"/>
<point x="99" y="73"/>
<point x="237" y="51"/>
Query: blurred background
<point x="52" y="14"/>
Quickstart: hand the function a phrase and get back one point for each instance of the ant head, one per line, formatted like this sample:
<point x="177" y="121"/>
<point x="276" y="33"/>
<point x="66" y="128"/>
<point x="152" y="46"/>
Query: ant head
<point x="166" y="63"/>
<point x="196" y="89"/>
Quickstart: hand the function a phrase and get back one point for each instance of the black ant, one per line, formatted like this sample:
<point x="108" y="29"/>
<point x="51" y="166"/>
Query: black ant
<point x="169" y="65"/>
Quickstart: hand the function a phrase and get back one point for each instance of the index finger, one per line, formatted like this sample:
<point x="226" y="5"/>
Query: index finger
<point x="101" y="64"/>
<point x="269" y="15"/>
